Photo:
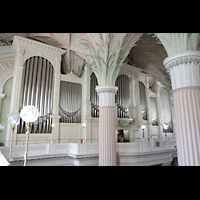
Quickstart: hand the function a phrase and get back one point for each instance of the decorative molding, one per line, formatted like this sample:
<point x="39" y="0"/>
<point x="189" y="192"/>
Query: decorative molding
<point x="106" y="95"/>
<point x="34" y="43"/>
<point x="184" y="69"/>
<point x="5" y="78"/>
<point x="123" y="122"/>
<point x="182" y="57"/>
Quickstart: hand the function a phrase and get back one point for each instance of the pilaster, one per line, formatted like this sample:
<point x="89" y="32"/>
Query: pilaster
<point x="56" y="96"/>
<point x="138" y="111"/>
<point x="131" y="97"/>
<point x="86" y="105"/>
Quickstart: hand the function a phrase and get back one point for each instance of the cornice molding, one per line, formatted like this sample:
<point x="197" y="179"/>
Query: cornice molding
<point x="20" y="40"/>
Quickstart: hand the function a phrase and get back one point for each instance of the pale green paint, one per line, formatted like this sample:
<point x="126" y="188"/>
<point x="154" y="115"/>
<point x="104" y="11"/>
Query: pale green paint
<point x="178" y="42"/>
<point x="66" y="66"/>
<point x="5" y="106"/>
<point x="106" y="66"/>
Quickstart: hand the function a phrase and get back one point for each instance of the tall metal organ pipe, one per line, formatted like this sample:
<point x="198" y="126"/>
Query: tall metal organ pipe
<point x="122" y="97"/>
<point x="70" y="102"/>
<point x="37" y="90"/>
<point x="94" y="98"/>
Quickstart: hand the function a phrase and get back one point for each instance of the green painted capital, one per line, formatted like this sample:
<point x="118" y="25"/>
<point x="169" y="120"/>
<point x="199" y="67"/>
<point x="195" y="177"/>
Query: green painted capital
<point x="178" y="42"/>
<point x="105" y="65"/>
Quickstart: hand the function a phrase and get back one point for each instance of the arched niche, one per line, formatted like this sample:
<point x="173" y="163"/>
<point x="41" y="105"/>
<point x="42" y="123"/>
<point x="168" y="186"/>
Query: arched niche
<point x="143" y="100"/>
<point x="94" y="98"/>
<point x="5" y="107"/>
<point x="165" y="109"/>
<point x="37" y="90"/>
<point x="122" y="97"/>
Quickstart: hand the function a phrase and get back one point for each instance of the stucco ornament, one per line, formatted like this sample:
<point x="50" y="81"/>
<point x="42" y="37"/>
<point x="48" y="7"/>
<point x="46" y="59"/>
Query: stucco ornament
<point x="105" y="64"/>
<point x="178" y="42"/>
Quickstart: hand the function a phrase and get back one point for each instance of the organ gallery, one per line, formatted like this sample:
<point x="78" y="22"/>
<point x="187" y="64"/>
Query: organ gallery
<point x="102" y="99"/>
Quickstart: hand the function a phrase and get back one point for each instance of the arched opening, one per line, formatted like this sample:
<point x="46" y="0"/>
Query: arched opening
<point x="37" y="90"/>
<point x="94" y="98"/>
<point x="122" y="97"/>
<point x="70" y="102"/>
<point x="143" y="100"/>
<point x="5" y="107"/>
<point x="166" y="110"/>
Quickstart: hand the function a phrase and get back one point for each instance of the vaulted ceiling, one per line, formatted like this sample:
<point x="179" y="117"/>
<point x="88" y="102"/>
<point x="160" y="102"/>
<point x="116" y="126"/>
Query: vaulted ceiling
<point x="147" y="54"/>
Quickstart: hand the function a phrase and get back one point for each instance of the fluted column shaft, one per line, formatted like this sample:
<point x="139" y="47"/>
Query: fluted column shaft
<point x="107" y="139"/>
<point x="185" y="77"/>
<point x="186" y="110"/>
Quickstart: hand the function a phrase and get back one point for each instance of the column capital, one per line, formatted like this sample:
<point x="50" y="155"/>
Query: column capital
<point x="106" y="95"/>
<point x="184" y="69"/>
<point x="181" y="57"/>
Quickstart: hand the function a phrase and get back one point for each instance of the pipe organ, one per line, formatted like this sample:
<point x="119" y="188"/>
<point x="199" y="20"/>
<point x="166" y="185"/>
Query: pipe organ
<point x="70" y="102"/>
<point x="94" y="98"/>
<point x="37" y="90"/>
<point x="143" y="100"/>
<point x="122" y="97"/>
<point x="154" y="111"/>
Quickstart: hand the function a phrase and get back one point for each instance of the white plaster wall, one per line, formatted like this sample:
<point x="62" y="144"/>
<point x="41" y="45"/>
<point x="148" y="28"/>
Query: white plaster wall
<point x="71" y="132"/>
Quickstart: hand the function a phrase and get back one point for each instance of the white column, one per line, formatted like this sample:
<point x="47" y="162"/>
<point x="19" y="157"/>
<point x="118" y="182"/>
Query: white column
<point x="160" y="129"/>
<point x="137" y="113"/>
<point x="185" y="77"/>
<point x="107" y="133"/>
<point x="56" y="97"/>
<point x="86" y="105"/>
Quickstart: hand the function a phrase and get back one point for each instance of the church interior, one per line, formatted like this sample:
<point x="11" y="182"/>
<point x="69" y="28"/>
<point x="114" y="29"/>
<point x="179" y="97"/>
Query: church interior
<point x="99" y="99"/>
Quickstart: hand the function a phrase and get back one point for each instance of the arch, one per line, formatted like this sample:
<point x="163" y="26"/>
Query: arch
<point x="33" y="54"/>
<point x="4" y="78"/>
<point x="38" y="58"/>
<point x="143" y="103"/>
<point x="122" y="97"/>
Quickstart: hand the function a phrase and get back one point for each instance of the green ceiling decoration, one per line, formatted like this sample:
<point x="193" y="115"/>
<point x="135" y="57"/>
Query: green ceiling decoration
<point x="178" y="42"/>
<point x="106" y="66"/>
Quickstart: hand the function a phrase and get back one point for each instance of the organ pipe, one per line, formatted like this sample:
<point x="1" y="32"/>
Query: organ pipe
<point x="94" y="98"/>
<point x="122" y="97"/>
<point x="70" y="102"/>
<point x="37" y="90"/>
